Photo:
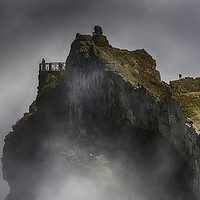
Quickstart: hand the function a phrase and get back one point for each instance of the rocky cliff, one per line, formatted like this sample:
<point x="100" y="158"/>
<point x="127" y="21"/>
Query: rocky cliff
<point x="110" y="120"/>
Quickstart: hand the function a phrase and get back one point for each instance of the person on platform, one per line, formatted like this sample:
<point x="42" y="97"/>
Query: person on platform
<point x="43" y="64"/>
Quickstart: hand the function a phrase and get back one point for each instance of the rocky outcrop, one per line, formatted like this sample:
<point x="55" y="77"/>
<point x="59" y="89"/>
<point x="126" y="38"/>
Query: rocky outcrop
<point x="185" y="85"/>
<point x="110" y="116"/>
<point x="187" y="93"/>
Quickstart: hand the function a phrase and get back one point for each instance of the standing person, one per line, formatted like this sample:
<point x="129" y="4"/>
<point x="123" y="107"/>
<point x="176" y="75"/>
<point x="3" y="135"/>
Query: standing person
<point x="43" y="64"/>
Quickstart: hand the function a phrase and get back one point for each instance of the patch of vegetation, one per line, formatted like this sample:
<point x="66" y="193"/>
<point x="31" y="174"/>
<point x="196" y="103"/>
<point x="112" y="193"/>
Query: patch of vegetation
<point x="50" y="83"/>
<point x="190" y="102"/>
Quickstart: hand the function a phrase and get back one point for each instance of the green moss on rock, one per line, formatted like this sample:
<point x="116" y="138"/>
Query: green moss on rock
<point x="50" y="83"/>
<point x="190" y="102"/>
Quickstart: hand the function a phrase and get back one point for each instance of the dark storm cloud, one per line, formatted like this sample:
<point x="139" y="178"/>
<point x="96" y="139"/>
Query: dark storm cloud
<point x="37" y="19"/>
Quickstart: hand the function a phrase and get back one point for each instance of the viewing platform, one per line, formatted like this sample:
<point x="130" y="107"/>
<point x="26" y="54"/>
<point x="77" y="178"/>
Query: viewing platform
<point x="53" y="66"/>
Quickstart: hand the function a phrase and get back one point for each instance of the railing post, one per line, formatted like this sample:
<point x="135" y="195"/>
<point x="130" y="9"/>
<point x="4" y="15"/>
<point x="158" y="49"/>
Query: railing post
<point x="50" y="66"/>
<point x="43" y="66"/>
<point x="60" y="66"/>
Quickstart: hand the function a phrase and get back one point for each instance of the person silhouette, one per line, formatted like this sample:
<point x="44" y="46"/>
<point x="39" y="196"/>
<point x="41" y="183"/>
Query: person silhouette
<point x="43" y="64"/>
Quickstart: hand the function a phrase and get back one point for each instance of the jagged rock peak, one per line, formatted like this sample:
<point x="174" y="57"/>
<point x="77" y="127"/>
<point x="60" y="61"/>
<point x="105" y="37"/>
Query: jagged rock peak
<point x="136" y="67"/>
<point x="110" y="103"/>
<point x="98" y="30"/>
<point x="97" y="37"/>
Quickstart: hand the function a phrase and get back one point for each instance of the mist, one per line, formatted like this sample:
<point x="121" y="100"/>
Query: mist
<point x="132" y="167"/>
<point x="78" y="156"/>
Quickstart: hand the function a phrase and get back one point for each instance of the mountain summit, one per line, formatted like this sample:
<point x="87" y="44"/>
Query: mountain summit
<point x="105" y="126"/>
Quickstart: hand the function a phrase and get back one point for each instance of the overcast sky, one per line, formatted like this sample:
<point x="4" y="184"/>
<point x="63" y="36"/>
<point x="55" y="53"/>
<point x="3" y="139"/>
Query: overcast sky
<point x="32" y="29"/>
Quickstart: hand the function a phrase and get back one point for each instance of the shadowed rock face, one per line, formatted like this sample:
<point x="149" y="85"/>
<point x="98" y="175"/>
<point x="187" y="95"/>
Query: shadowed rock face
<point x="109" y="120"/>
<point x="98" y="37"/>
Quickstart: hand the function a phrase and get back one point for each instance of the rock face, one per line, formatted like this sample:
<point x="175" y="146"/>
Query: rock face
<point x="187" y="93"/>
<point x="110" y="120"/>
<point x="185" y="85"/>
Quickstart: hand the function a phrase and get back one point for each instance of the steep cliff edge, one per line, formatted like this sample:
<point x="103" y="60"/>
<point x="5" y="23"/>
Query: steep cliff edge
<point x="187" y="93"/>
<point x="109" y="119"/>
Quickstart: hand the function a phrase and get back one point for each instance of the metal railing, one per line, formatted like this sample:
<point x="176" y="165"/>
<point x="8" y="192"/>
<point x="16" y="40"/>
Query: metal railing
<point x="53" y="66"/>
